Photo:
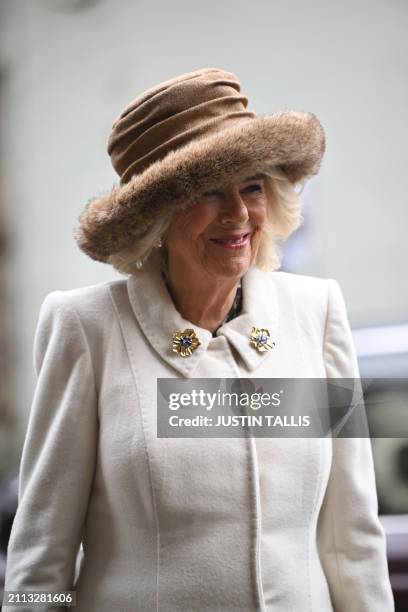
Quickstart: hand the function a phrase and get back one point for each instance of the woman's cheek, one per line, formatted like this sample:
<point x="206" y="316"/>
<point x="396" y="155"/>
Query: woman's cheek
<point x="255" y="239"/>
<point x="257" y="216"/>
<point x="262" y="215"/>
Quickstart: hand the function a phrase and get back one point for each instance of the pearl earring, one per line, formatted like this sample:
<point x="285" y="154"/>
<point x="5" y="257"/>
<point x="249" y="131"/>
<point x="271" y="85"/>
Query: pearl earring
<point x="158" y="243"/>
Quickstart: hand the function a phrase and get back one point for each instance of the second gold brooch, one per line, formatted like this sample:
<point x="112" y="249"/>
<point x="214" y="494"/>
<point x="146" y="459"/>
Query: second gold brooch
<point x="260" y="339"/>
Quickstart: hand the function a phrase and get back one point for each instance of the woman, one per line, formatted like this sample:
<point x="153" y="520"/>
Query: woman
<point x="207" y="190"/>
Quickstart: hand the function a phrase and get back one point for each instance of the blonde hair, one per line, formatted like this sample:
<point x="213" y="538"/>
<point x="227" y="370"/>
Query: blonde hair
<point x="283" y="218"/>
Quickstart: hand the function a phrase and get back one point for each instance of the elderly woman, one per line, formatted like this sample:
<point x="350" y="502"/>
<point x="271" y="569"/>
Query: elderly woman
<point x="207" y="191"/>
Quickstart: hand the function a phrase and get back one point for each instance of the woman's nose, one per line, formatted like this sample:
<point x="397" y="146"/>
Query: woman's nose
<point x="234" y="209"/>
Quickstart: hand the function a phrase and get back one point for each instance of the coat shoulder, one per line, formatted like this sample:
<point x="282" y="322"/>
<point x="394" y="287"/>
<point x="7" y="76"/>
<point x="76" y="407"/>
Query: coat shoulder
<point x="308" y="292"/>
<point x="300" y="282"/>
<point x="93" y="294"/>
<point x="92" y="304"/>
<point x="90" y="295"/>
<point x="307" y="297"/>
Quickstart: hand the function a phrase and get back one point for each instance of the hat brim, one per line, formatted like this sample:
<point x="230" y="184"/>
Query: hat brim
<point x="291" y="140"/>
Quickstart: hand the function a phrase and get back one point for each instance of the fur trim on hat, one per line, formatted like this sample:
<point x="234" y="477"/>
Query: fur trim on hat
<point x="292" y="141"/>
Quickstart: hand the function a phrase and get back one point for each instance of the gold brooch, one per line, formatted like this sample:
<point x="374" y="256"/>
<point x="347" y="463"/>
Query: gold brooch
<point x="260" y="338"/>
<point x="185" y="342"/>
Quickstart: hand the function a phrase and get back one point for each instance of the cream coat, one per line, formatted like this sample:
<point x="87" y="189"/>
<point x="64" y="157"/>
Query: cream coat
<point x="191" y="525"/>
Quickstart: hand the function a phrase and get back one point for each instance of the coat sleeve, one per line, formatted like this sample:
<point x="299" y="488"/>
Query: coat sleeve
<point x="351" y="539"/>
<point x="58" y="457"/>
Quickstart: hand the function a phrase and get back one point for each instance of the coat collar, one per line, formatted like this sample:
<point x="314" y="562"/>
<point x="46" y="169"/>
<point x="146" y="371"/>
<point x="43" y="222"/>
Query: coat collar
<point x="158" y="318"/>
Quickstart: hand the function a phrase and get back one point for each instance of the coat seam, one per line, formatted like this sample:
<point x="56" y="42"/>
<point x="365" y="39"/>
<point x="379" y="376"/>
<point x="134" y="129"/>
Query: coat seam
<point x="254" y="476"/>
<point x="85" y="340"/>
<point x="298" y="326"/>
<point x="326" y="323"/>
<point x="311" y="514"/>
<point x="72" y="308"/>
<point x="255" y="523"/>
<point x="332" y="523"/>
<point x="255" y="516"/>
<point x="148" y="458"/>
<point x="319" y="476"/>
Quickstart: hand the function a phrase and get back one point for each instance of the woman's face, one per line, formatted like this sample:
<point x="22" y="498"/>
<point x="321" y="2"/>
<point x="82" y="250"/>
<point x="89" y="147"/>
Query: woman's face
<point x="219" y="235"/>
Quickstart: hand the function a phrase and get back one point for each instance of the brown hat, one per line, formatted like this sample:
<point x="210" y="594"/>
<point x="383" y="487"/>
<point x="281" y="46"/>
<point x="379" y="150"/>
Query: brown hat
<point x="187" y="134"/>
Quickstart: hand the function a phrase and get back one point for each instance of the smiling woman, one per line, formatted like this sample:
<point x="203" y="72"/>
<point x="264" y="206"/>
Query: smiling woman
<point x="210" y="246"/>
<point x="207" y="191"/>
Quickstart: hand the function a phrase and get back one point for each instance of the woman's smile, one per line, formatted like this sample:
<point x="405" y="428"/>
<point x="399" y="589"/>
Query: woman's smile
<point x="232" y="241"/>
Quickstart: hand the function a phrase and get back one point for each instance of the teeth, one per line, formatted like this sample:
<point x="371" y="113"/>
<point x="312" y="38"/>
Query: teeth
<point x="237" y="241"/>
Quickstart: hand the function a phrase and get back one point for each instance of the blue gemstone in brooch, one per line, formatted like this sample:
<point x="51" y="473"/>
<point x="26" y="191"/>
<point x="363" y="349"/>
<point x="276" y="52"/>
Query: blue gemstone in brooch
<point x="185" y="342"/>
<point x="260" y="339"/>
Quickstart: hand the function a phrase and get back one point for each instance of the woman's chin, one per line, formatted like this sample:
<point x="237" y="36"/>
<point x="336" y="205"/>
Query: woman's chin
<point x="234" y="262"/>
<point x="232" y="266"/>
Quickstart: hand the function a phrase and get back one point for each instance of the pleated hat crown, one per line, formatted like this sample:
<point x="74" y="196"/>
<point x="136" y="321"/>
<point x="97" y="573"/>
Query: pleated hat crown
<point x="171" y="115"/>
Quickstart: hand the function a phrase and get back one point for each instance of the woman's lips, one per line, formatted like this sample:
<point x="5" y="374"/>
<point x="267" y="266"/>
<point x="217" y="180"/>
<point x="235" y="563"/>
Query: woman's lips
<point x="232" y="242"/>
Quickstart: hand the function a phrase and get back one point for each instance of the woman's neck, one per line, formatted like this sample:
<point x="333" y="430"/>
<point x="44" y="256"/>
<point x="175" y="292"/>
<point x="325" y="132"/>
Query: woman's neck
<point x="205" y="300"/>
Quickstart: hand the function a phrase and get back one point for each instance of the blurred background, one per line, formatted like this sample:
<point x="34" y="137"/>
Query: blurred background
<point x="67" y="69"/>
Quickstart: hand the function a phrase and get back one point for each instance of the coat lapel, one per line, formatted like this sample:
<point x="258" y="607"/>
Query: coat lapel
<point x="158" y="318"/>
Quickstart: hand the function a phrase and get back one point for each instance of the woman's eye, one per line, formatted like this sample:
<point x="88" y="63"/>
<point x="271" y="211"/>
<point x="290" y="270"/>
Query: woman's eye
<point x="254" y="187"/>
